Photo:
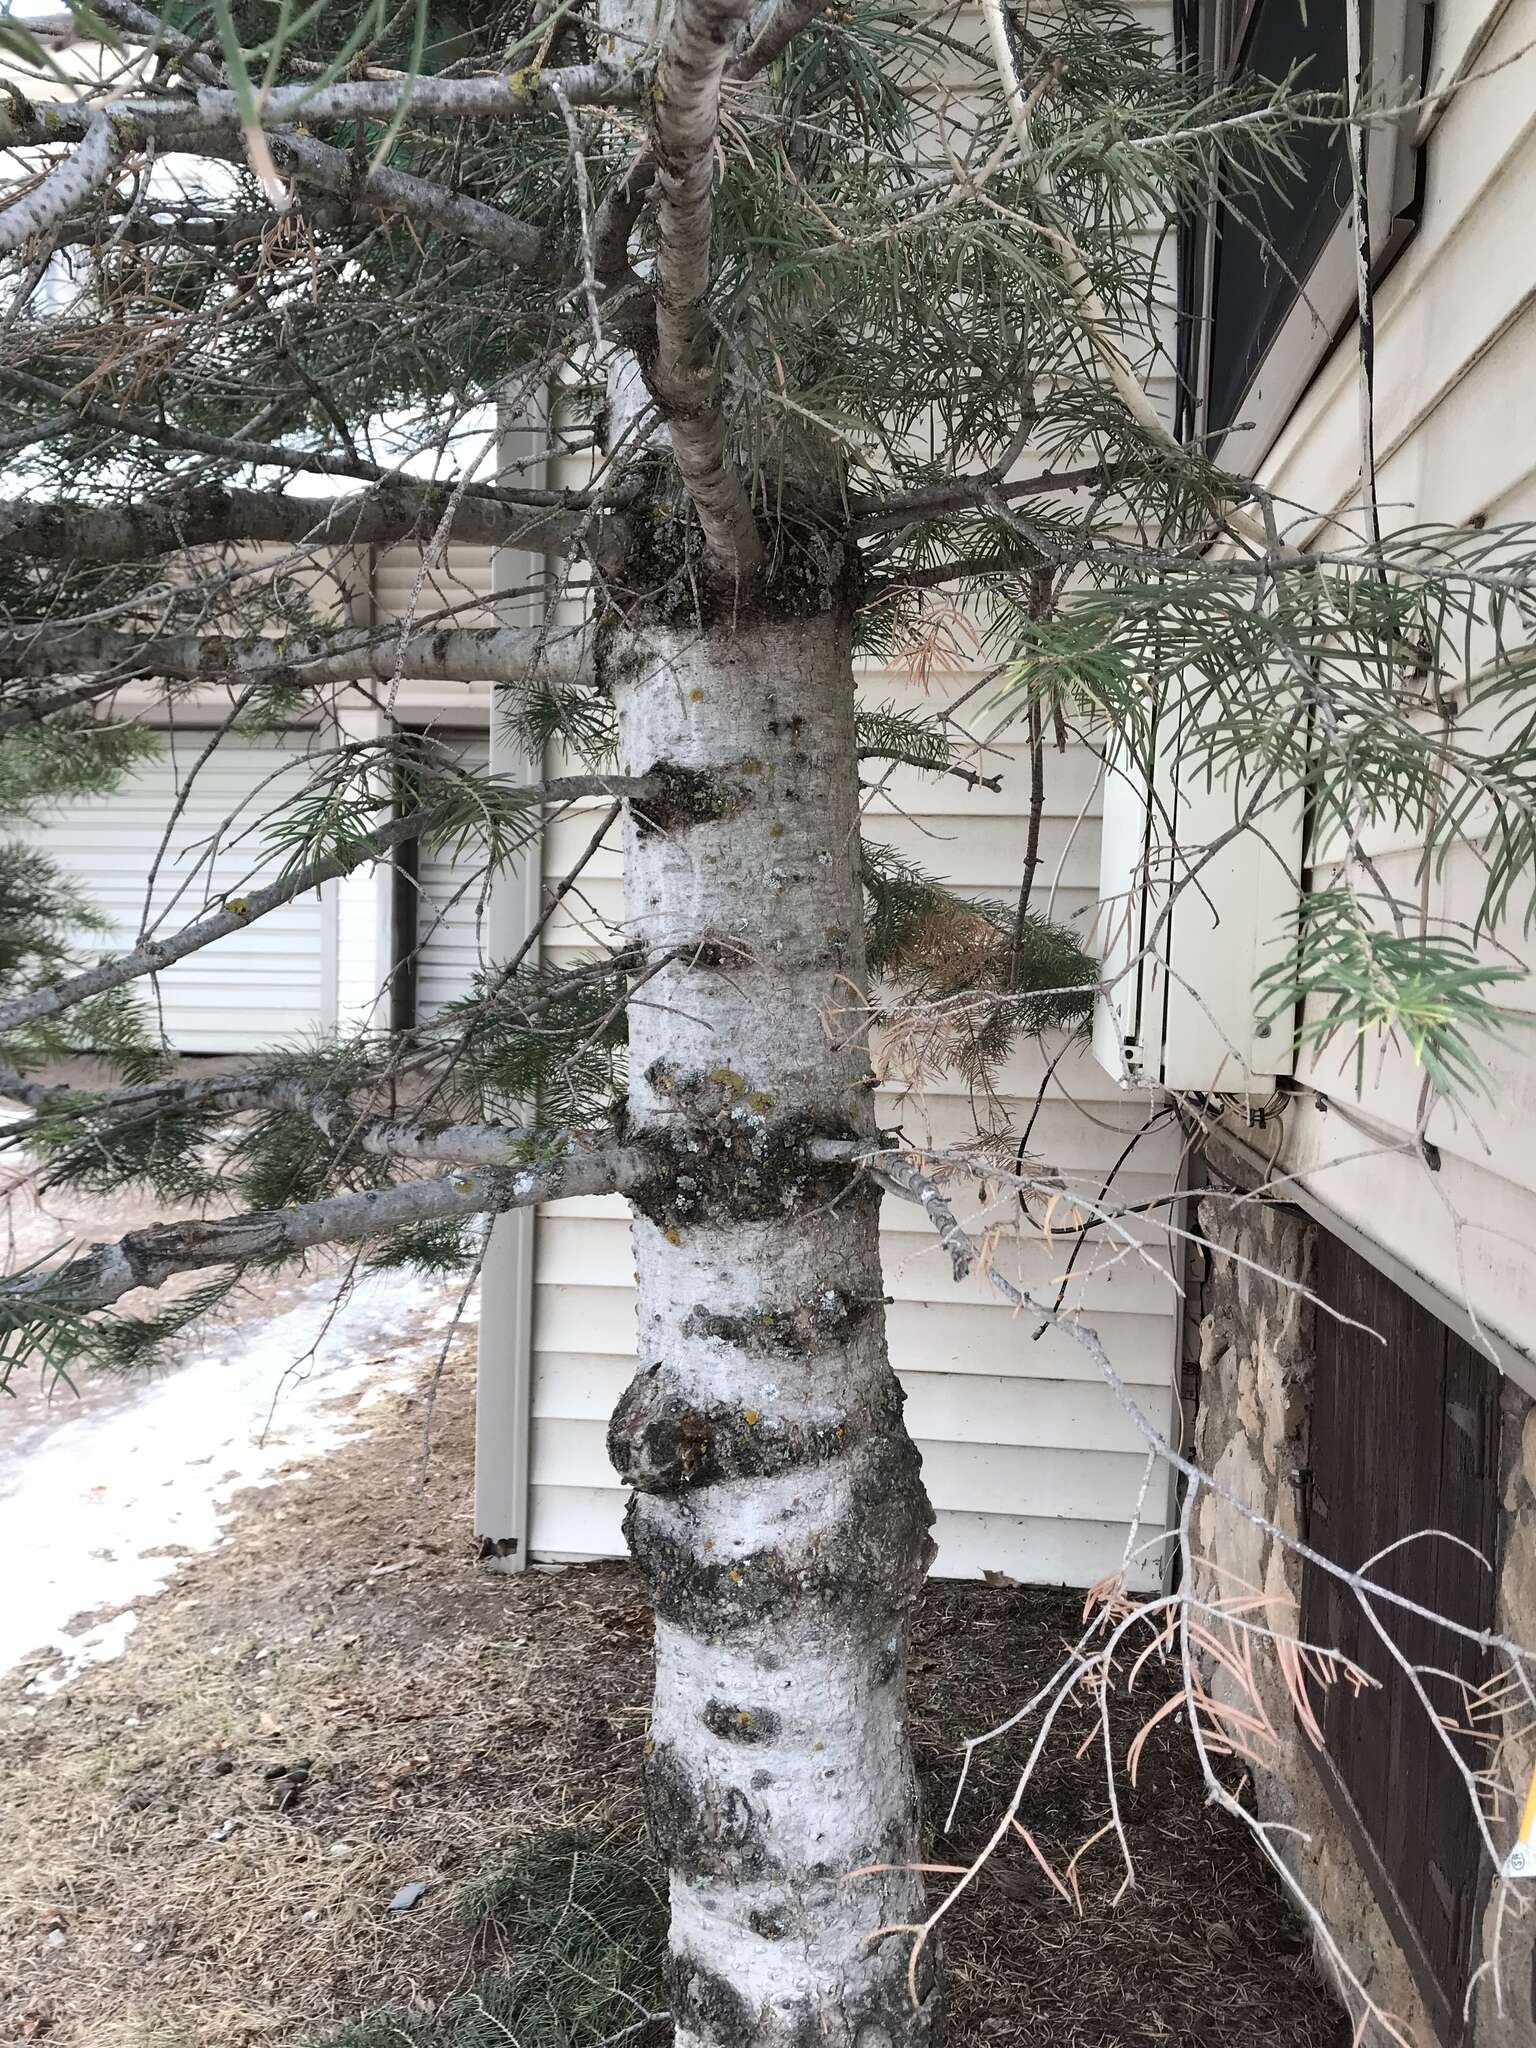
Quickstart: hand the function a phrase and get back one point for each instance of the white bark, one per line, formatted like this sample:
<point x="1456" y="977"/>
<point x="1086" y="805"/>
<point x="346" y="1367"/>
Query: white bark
<point x="779" y="1515"/>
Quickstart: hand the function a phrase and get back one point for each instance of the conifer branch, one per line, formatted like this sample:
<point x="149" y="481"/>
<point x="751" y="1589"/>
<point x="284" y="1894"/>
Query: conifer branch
<point x="214" y="111"/>
<point x="68" y="185"/>
<point x="374" y="190"/>
<point x="244" y="449"/>
<point x="464" y="654"/>
<point x="238" y="913"/>
<point x="1095" y="317"/>
<point x="210" y="515"/>
<point x="377" y="191"/>
<point x="150" y="1257"/>
<point x="683" y="376"/>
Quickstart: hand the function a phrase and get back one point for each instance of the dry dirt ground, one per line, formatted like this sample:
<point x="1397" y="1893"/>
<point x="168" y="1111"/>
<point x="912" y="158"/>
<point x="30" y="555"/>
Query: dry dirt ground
<point x="201" y="1840"/>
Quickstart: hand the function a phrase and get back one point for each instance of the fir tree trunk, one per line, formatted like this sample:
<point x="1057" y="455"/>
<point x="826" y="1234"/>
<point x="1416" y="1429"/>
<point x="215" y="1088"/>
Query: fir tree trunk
<point x="779" y="1514"/>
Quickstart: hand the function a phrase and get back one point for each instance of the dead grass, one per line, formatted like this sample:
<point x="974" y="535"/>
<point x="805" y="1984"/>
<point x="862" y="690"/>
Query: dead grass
<point x="202" y="1839"/>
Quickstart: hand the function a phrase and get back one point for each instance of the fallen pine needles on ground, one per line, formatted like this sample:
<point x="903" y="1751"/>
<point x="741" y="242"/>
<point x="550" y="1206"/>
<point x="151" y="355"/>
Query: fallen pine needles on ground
<point x="204" y="1838"/>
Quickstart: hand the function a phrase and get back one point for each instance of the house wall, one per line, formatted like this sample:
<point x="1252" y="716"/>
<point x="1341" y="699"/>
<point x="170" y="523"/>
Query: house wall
<point x="1456" y="443"/>
<point x="1455" y="422"/>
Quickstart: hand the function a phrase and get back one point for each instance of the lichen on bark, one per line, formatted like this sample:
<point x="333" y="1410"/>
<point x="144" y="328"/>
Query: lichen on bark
<point x="779" y="1515"/>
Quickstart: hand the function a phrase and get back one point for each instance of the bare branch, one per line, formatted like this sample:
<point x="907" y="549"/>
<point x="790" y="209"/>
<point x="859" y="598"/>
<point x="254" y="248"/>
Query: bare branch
<point x="614" y="221"/>
<point x="210" y="515"/>
<point x="68" y="185"/>
<point x="683" y="376"/>
<point x="190" y="227"/>
<point x="33" y="710"/>
<point x="870" y="515"/>
<point x="448" y="1144"/>
<point x="150" y="1257"/>
<point x="147" y="29"/>
<point x="379" y="190"/>
<point x="466" y="654"/>
<point x="968" y="776"/>
<point x="95" y="412"/>
<point x="214" y="111"/>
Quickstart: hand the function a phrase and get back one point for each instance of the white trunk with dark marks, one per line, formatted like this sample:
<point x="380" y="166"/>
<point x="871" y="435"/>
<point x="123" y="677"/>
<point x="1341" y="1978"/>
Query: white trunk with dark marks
<point x="779" y="1514"/>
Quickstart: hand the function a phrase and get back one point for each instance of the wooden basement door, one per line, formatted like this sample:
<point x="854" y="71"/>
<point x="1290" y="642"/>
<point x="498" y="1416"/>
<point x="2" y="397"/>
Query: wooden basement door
<point x="1404" y="1437"/>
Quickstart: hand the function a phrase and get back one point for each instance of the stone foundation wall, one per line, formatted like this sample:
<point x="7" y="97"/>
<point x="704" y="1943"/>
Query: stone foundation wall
<point x="1251" y="1337"/>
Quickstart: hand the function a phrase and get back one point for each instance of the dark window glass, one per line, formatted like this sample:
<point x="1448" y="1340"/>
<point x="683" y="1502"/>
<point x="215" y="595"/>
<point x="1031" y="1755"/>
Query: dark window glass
<point x="1262" y="259"/>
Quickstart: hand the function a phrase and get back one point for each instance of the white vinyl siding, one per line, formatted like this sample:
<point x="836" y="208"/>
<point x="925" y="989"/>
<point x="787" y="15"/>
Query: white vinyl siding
<point x="263" y="987"/>
<point x="1455" y="424"/>
<point x="452" y="907"/>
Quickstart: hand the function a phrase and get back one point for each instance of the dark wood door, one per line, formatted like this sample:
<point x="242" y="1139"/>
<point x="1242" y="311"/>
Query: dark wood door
<point x="1404" y="1440"/>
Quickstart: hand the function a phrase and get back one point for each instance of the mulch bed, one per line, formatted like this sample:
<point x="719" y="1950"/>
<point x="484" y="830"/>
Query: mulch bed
<point x="202" y="1839"/>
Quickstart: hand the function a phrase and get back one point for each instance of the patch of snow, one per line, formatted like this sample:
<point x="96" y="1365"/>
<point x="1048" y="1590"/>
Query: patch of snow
<point x="86" y="1500"/>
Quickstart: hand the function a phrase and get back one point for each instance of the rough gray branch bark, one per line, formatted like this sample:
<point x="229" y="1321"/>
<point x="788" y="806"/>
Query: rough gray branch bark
<point x="150" y="1257"/>
<point x="682" y="376"/>
<point x="214" y="515"/>
<point x="187" y="227"/>
<point x="769" y="33"/>
<point x="469" y="654"/>
<point x="146" y="28"/>
<point x="213" y="110"/>
<point x="370" y="191"/>
<point x="68" y="185"/>
<point x="764" y="36"/>
<point x="871" y="515"/>
<point x="35" y="709"/>
<point x="375" y="191"/>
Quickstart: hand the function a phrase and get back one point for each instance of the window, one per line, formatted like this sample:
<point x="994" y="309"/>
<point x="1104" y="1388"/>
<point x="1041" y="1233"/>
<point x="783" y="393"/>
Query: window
<point x="1404" y="1437"/>
<point x="1268" y="285"/>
